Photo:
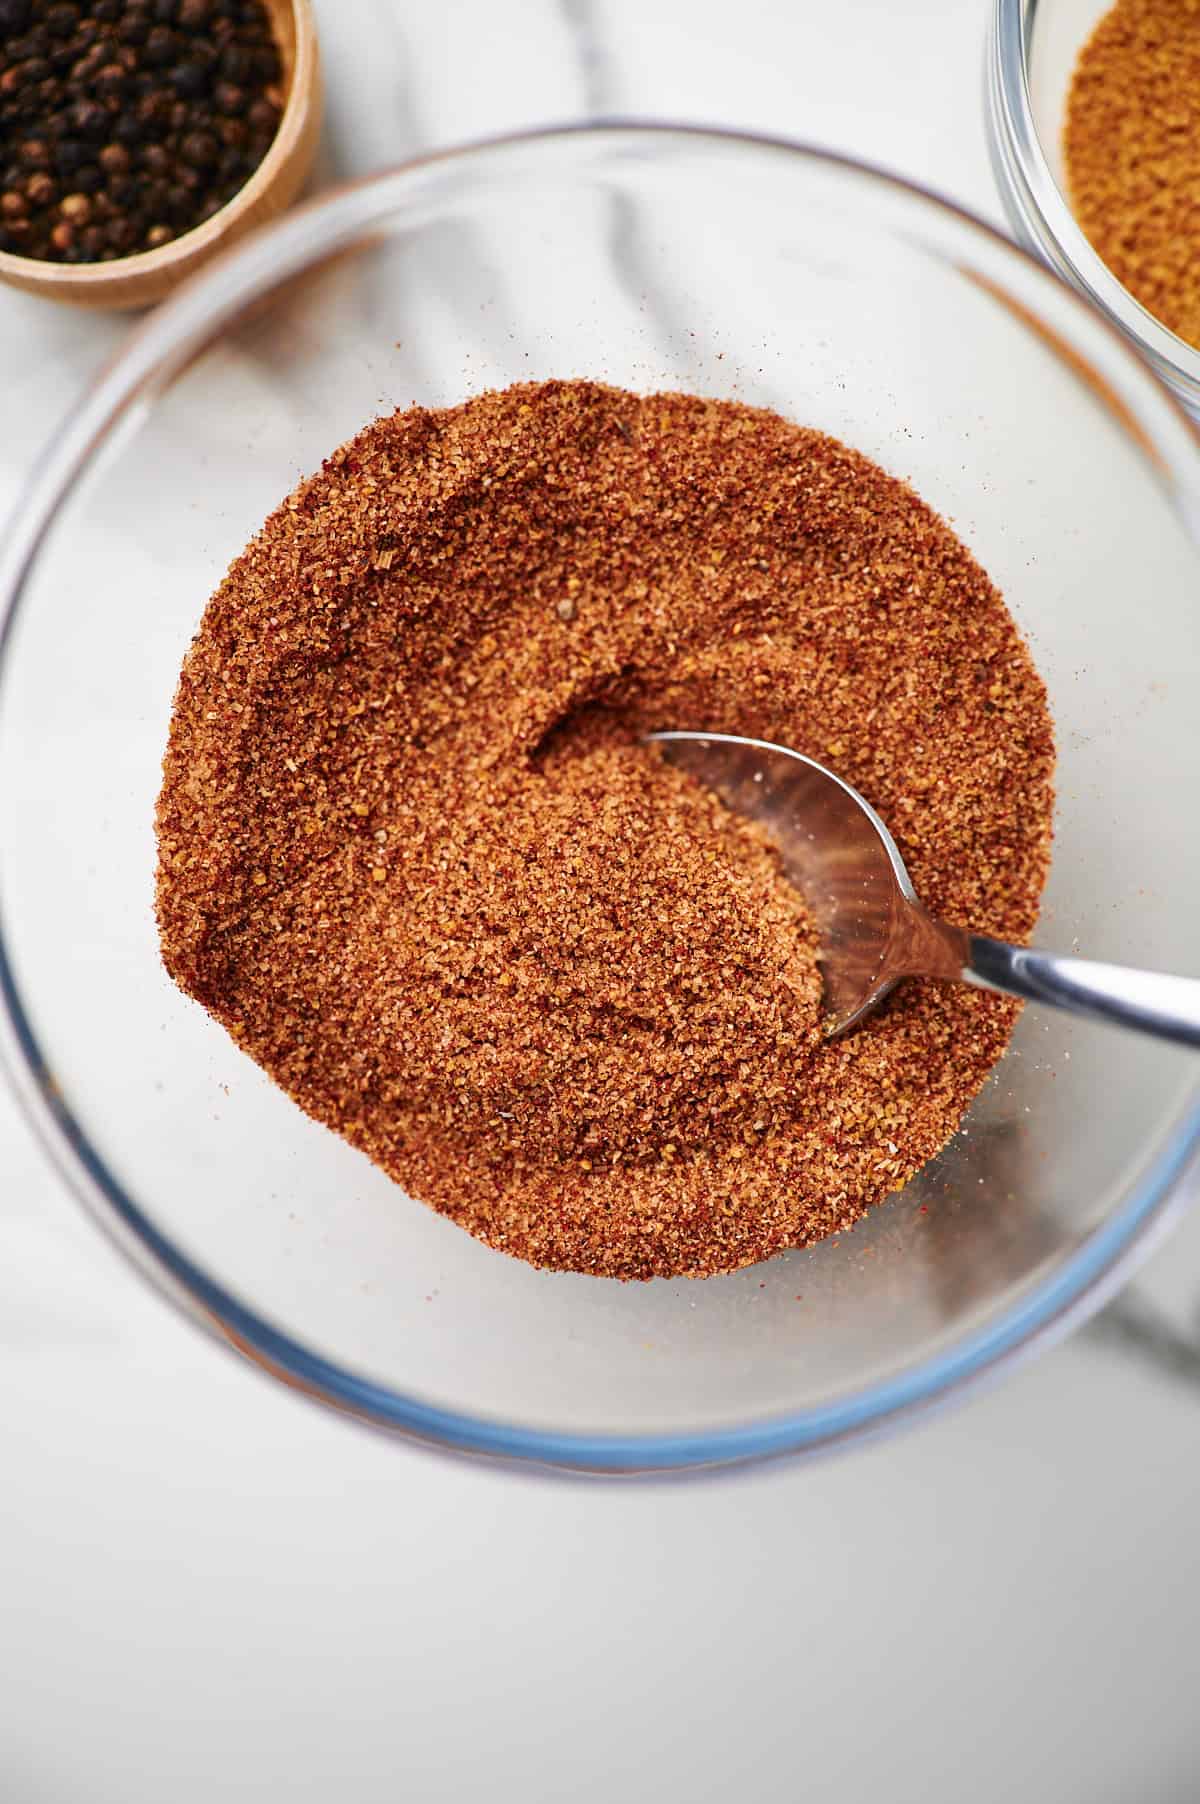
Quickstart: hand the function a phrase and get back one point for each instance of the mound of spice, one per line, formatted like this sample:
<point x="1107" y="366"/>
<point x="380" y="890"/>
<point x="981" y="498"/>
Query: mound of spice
<point x="1131" y="144"/>
<point x="415" y="860"/>
<point x="124" y="123"/>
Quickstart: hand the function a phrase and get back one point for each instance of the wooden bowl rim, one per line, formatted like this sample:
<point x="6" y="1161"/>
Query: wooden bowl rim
<point x="32" y="271"/>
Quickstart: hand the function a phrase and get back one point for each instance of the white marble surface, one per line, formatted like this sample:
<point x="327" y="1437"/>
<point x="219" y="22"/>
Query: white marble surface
<point x="211" y="1590"/>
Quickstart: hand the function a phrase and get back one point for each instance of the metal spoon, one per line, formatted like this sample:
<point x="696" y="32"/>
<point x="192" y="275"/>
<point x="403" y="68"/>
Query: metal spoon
<point x="873" y="930"/>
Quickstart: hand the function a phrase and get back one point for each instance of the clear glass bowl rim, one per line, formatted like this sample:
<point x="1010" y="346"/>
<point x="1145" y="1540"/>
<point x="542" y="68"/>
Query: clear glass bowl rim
<point x="154" y="353"/>
<point x="1040" y="215"/>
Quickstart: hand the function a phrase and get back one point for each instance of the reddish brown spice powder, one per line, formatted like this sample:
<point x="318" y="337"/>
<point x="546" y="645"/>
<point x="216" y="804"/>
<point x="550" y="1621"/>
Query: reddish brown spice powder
<point x="414" y="859"/>
<point x="1131" y="145"/>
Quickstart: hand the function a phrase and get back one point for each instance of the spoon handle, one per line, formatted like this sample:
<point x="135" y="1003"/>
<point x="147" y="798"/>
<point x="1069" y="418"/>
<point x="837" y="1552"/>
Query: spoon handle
<point x="1150" y="1002"/>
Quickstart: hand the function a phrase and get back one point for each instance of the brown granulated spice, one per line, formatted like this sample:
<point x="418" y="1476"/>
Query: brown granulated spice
<point x="1131" y="143"/>
<point x="414" y="859"/>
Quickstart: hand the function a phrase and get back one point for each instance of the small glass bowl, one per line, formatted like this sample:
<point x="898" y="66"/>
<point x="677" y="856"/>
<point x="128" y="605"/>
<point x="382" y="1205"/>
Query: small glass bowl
<point x="1032" y="49"/>
<point x="653" y="258"/>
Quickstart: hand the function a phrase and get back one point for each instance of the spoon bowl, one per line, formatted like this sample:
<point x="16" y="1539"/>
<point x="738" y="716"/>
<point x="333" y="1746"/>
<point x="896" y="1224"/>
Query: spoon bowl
<point x="872" y="928"/>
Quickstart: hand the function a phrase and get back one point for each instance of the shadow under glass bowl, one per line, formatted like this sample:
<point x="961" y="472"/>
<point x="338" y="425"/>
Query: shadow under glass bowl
<point x="651" y="257"/>
<point x="1032" y="49"/>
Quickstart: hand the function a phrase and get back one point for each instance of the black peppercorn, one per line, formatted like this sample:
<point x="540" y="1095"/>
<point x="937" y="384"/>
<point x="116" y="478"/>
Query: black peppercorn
<point x="159" y="47"/>
<point x="263" y="115"/>
<point x="267" y="65"/>
<point x="89" y="120"/>
<point x="189" y="79"/>
<point x="111" y="82"/>
<point x="237" y="64"/>
<point x="199" y="149"/>
<point x="124" y="123"/>
<point x="229" y="98"/>
<point x="61" y="20"/>
<point x="155" y="108"/>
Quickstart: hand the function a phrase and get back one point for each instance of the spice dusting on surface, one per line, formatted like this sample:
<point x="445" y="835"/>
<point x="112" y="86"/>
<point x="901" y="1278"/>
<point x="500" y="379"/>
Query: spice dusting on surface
<point x="414" y="859"/>
<point x="1132" y="149"/>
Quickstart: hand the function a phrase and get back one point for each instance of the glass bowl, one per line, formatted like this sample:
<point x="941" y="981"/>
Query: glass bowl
<point x="1032" y="49"/>
<point x="651" y="257"/>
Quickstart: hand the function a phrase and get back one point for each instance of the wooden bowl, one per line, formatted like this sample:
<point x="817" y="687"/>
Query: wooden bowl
<point x="145" y="277"/>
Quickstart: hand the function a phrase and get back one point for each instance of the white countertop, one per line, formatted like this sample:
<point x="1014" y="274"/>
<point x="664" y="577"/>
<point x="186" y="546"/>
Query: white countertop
<point x="209" y="1589"/>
